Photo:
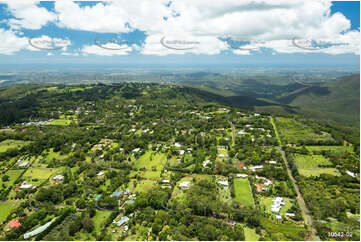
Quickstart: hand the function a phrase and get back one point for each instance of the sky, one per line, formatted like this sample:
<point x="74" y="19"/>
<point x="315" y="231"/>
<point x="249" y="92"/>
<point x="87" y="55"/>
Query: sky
<point x="180" y="32"/>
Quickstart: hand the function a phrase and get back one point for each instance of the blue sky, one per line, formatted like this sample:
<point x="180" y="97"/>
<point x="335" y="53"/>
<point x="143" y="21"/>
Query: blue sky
<point x="174" y="33"/>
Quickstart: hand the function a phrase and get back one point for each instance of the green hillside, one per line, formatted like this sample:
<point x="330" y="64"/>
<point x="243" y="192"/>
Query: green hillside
<point x="338" y="100"/>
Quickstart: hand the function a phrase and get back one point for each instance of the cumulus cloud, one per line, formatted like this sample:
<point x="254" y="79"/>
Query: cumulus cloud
<point x="277" y="22"/>
<point x="11" y="43"/>
<point x="28" y="14"/>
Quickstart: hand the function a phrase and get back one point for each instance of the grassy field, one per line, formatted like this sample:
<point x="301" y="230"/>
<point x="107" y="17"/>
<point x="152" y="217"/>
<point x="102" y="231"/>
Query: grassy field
<point x="99" y="219"/>
<point x="60" y="122"/>
<point x="39" y="174"/>
<point x="5" y="210"/>
<point x="318" y="171"/>
<point x="309" y="165"/>
<point x="13" y="174"/>
<point x="250" y="234"/>
<point x="290" y="132"/>
<point x="311" y="161"/>
<point x="333" y="149"/>
<point x="11" y="144"/>
<point x="142" y="185"/>
<point x="50" y="155"/>
<point x="243" y="193"/>
<point x="149" y="159"/>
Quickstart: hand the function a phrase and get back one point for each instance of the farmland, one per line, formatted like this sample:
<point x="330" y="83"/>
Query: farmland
<point x="293" y="133"/>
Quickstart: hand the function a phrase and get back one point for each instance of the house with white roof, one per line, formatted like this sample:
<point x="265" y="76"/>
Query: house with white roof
<point x="25" y="185"/>
<point x="242" y="175"/>
<point x="242" y="132"/>
<point x="177" y="145"/>
<point x="205" y="163"/>
<point x="185" y="185"/>
<point x="277" y="204"/>
<point x="121" y="221"/>
<point x="350" y="173"/>
<point x="100" y="173"/>
<point x="181" y="152"/>
<point x="136" y="150"/>
<point x="223" y="183"/>
<point x="23" y="164"/>
<point x="254" y="168"/>
<point x="58" y="178"/>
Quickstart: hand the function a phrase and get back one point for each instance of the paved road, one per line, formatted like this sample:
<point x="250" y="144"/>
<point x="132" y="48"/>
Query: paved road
<point x="301" y="201"/>
<point x="308" y="218"/>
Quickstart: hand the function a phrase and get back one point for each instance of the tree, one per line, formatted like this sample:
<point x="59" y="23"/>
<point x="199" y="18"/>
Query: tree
<point x="5" y="178"/>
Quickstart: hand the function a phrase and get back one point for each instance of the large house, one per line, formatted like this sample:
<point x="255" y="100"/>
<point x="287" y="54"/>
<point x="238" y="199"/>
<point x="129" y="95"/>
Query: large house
<point x="277" y="204"/>
<point x="25" y="185"/>
<point x="121" y="221"/>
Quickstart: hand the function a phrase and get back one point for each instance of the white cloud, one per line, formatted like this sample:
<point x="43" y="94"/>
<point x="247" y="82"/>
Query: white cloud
<point x="109" y="49"/>
<point x="276" y="22"/>
<point x="28" y="14"/>
<point x="11" y="43"/>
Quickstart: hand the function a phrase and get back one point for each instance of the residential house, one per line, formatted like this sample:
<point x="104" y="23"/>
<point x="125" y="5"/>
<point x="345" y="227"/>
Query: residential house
<point x="205" y="163"/>
<point x="185" y="185"/>
<point x="58" y="178"/>
<point x="242" y="175"/>
<point x="25" y="185"/>
<point x="223" y="183"/>
<point x="14" y="224"/>
<point x="121" y="221"/>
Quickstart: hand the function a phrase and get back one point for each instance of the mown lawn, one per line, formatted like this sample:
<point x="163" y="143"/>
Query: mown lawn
<point x="142" y="185"/>
<point x="100" y="218"/>
<point x="39" y="174"/>
<point x="11" y="144"/>
<point x="13" y="175"/>
<point x="5" y="209"/>
<point x="60" y="122"/>
<point x="243" y="193"/>
<point x="250" y="234"/>
<point x="149" y="160"/>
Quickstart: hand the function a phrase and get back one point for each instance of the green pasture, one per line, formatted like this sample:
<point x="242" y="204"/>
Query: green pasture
<point x="243" y="193"/>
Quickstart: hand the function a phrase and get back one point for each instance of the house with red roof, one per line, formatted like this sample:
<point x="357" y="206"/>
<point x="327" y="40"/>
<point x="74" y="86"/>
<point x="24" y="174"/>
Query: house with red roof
<point x="14" y="224"/>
